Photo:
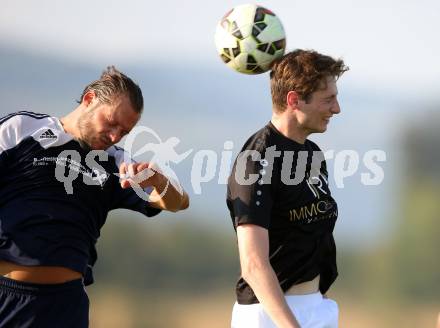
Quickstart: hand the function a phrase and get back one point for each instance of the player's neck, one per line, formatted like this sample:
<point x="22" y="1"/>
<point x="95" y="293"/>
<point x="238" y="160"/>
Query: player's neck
<point x="70" y="121"/>
<point x="288" y="127"/>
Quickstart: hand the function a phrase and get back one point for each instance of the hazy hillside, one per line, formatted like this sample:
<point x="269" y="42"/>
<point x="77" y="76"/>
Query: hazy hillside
<point x="204" y="107"/>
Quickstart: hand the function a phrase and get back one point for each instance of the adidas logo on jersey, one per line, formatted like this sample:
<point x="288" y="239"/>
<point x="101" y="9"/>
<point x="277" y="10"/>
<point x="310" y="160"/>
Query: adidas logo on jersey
<point x="48" y="134"/>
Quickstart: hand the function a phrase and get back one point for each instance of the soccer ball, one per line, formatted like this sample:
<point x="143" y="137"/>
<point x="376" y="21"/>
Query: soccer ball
<point x="249" y="37"/>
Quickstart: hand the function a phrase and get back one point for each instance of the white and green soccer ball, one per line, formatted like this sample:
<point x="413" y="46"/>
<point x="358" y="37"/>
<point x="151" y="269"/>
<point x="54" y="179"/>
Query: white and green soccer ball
<point x="249" y="38"/>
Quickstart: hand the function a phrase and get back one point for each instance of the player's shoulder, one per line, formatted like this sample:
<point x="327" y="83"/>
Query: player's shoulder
<point x="25" y="123"/>
<point x="23" y="118"/>
<point x="259" y="141"/>
<point x="18" y="126"/>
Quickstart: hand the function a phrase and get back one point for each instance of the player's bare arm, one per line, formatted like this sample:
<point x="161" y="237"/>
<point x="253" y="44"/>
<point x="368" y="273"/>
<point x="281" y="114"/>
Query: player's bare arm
<point x="253" y="245"/>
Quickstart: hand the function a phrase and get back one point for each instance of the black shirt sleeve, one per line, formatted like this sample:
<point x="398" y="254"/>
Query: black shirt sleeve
<point x="249" y="191"/>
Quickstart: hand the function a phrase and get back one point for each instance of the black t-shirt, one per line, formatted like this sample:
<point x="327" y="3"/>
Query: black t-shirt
<point x="281" y="185"/>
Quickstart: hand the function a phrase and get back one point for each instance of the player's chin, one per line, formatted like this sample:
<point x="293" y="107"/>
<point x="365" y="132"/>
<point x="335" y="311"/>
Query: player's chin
<point x="321" y="129"/>
<point x="99" y="145"/>
<point x="324" y="126"/>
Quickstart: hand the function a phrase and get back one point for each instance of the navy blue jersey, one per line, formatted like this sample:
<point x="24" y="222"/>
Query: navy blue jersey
<point x="45" y="220"/>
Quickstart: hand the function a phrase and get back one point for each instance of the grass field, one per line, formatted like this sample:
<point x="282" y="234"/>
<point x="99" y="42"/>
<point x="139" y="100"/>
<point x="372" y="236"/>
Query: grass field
<point x="111" y="307"/>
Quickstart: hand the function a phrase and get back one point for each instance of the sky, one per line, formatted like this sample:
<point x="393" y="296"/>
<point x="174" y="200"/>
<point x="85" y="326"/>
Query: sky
<point x="387" y="43"/>
<point x="392" y="49"/>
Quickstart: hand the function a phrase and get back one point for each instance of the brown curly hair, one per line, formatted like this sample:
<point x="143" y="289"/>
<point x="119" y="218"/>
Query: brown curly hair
<point x="114" y="83"/>
<point x="302" y="71"/>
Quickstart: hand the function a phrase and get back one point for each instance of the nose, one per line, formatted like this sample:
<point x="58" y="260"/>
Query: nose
<point x="335" y="108"/>
<point x="115" y="135"/>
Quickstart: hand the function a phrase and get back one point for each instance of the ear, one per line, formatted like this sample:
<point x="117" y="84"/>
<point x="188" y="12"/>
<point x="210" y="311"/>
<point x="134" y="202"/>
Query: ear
<point x="292" y="99"/>
<point x="88" y="98"/>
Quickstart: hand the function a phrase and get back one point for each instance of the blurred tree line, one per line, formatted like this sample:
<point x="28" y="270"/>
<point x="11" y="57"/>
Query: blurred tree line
<point x="406" y="269"/>
<point x="169" y="252"/>
<point x="415" y="255"/>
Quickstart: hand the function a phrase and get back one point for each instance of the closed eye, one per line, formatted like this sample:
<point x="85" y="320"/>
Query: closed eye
<point x="112" y="123"/>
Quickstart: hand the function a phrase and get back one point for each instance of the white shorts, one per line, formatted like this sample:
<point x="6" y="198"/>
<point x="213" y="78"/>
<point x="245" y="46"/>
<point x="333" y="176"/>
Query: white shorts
<point x="311" y="311"/>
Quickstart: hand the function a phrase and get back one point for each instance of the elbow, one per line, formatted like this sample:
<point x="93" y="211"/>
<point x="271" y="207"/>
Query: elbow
<point x="182" y="205"/>
<point x="185" y="201"/>
<point x="251" y="269"/>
